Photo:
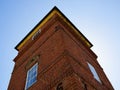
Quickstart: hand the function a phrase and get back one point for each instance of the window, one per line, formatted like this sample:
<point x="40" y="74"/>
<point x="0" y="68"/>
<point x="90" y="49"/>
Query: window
<point x="59" y="86"/>
<point x="85" y="86"/>
<point x="31" y="76"/>
<point x="92" y="69"/>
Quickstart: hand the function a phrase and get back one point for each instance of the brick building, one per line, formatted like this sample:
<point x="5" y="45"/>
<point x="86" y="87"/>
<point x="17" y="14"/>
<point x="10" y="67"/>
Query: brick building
<point x="55" y="55"/>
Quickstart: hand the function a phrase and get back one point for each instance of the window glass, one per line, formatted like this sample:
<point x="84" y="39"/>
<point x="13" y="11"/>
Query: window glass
<point x="92" y="69"/>
<point x="59" y="86"/>
<point x="31" y="76"/>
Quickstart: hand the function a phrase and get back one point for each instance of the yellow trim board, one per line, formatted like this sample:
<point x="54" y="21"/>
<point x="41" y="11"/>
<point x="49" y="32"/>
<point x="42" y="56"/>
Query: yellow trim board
<point x="53" y="12"/>
<point x="35" y="30"/>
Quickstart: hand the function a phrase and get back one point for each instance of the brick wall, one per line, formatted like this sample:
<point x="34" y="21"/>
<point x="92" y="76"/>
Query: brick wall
<point x="62" y="60"/>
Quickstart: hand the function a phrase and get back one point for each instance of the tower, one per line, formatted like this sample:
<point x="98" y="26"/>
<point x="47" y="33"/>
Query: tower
<point x="55" y="55"/>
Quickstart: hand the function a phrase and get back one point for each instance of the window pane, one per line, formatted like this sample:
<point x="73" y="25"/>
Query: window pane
<point x="92" y="69"/>
<point x="34" y="79"/>
<point x="34" y="73"/>
<point x="31" y="76"/>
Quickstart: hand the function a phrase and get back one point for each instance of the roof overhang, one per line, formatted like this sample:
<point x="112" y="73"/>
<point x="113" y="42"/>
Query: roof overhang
<point x="54" y="11"/>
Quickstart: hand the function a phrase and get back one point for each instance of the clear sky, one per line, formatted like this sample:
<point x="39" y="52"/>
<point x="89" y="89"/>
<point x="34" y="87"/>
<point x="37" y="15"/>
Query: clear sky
<point x="98" y="20"/>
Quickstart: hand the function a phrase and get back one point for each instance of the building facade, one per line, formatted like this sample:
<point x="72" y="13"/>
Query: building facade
<point x="55" y="55"/>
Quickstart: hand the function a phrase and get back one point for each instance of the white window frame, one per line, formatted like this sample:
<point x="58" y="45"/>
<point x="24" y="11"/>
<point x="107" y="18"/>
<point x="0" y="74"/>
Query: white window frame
<point x="94" y="72"/>
<point x="31" y="76"/>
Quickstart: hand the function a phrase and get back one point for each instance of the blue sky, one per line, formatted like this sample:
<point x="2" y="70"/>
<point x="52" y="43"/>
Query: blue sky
<point x="98" y="20"/>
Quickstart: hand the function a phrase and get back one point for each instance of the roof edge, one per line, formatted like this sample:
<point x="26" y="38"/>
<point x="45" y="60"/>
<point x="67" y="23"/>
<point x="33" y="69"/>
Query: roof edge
<point x="16" y="47"/>
<point x="54" y="8"/>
